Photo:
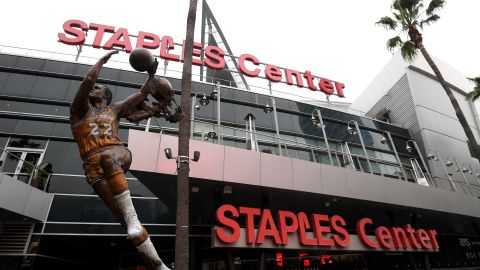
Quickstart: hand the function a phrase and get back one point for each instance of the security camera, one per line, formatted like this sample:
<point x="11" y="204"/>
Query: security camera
<point x="168" y="153"/>
<point x="196" y="156"/>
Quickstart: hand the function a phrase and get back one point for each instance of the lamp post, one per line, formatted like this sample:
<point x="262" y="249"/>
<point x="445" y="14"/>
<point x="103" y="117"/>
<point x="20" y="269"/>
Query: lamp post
<point x="389" y="140"/>
<point x="475" y="172"/>
<point x="409" y="149"/>
<point x="317" y="120"/>
<point x="269" y="109"/>
<point x="449" y="176"/>
<point x="213" y="95"/>
<point x="204" y="102"/>
<point x="350" y="130"/>
<point x="462" y="171"/>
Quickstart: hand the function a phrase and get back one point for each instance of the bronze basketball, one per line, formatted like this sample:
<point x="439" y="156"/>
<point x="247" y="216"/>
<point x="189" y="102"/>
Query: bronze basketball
<point x="141" y="59"/>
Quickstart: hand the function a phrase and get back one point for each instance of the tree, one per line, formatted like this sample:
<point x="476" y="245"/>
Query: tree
<point x="182" y="222"/>
<point x="411" y="16"/>
<point x="475" y="94"/>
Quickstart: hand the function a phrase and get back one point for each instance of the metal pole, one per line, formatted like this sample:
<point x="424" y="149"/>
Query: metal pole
<point x="396" y="154"/>
<point x="147" y="127"/>
<point x="452" y="184"/>
<point x="192" y="115"/>
<point x="275" y="119"/>
<point x="319" y="114"/>
<point x="463" y="175"/>
<point x="218" y="114"/>
<point x="363" y="145"/>
<point x="421" y="158"/>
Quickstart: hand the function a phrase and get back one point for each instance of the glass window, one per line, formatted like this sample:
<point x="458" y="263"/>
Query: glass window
<point x="30" y="63"/>
<point x="73" y="164"/>
<point x="56" y="154"/>
<point x="50" y="88"/>
<point x="18" y="85"/>
<point x="7" y="125"/>
<point x="58" y="67"/>
<point x="34" y="127"/>
<point x="3" y="78"/>
<point x="72" y="89"/>
<point x="69" y="185"/>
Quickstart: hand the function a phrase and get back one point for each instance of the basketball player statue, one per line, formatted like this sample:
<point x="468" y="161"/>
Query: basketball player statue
<point x="94" y="123"/>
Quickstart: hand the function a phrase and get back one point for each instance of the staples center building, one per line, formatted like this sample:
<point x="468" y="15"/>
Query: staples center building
<point x="291" y="185"/>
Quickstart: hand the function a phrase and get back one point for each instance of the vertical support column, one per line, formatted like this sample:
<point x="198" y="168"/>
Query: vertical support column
<point x="396" y="154"/>
<point x="275" y="119"/>
<point x="363" y="145"/>
<point x="219" y="126"/>
<point x="319" y="114"/>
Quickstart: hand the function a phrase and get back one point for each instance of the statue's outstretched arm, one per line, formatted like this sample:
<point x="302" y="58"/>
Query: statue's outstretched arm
<point x="79" y="106"/>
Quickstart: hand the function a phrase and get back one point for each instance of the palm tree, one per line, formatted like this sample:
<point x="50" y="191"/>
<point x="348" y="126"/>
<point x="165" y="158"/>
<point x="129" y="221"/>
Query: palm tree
<point x="411" y="16"/>
<point x="182" y="222"/>
<point x="475" y="94"/>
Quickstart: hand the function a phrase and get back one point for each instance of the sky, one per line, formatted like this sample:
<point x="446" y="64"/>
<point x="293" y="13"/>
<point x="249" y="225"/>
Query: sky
<point x="335" y="39"/>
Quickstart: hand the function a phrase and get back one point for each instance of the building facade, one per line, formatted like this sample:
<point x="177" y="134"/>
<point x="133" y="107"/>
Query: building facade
<point x="319" y="163"/>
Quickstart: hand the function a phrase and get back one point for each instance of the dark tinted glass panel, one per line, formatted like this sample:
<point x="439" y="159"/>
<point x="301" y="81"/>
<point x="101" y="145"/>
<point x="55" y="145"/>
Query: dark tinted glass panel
<point x="30" y="63"/>
<point x="285" y="122"/>
<point x="3" y="141"/>
<point x="62" y="130"/>
<point x="3" y="78"/>
<point x="34" y="127"/>
<point x="72" y="89"/>
<point x="92" y="209"/>
<point x="50" y="88"/>
<point x="81" y="69"/>
<point x="8" y="60"/>
<point x="109" y="74"/>
<point x="75" y="163"/>
<point x="58" y="67"/>
<point x="19" y="85"/>
<point x="7" y="125"/>
<point x="227" y="111"/>
<point x="131" y="77"/>
<point x="123" y="92"/>
<point x="69" y="185"/>
<point x="36" y="108"/>
<point x="55" y="154"/>
<point x="137" y="189"/>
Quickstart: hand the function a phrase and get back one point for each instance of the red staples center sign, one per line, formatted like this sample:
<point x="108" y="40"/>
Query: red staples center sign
<point x="301" y="231"/>
<point x="249" y="65"/>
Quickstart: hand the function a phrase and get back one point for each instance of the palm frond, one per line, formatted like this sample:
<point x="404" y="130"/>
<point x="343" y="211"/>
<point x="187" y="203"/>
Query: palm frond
<point x="434" y="6"/>
<point x="387" y="23"/>
<point x="408" y="50"/>
<point x="430" y="20"/>
<point x="474" y="95"/>
<point x="393" y="43"/>
<point x="475" y="80"/>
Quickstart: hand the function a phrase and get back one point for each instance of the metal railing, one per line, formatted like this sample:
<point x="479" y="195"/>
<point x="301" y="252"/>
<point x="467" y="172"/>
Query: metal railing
<point x="31" y="174"/>
<point x="319" y="154"/>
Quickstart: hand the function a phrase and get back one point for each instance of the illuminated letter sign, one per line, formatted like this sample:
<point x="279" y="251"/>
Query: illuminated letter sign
<point x="74" y="34"/>
<point x="285" y="229"/>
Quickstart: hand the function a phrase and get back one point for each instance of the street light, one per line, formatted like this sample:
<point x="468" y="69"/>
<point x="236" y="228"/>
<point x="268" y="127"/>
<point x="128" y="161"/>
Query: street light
<point x="419" y="153"/>
<point x="387" y="139"/>
<point x="317" y="120"/>
<point x="216" y="95"/>
<point x="204" y="102"/>
<point x="273" y="109"/>
<point x="436" y="157"/>
<point x="356" y="130"/>
<point x="463" y="171"/>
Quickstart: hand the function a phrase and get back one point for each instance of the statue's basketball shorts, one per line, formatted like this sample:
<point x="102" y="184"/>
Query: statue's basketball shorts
<point x="93" y="169"/>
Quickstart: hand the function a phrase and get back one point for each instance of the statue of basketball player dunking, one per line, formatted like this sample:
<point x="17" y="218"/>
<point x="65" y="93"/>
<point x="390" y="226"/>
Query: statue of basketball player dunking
<point x="94" y="122"/>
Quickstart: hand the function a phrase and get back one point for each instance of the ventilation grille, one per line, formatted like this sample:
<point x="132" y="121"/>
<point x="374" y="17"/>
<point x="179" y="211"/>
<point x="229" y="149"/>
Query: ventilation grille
<point x="14" y="237"/>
